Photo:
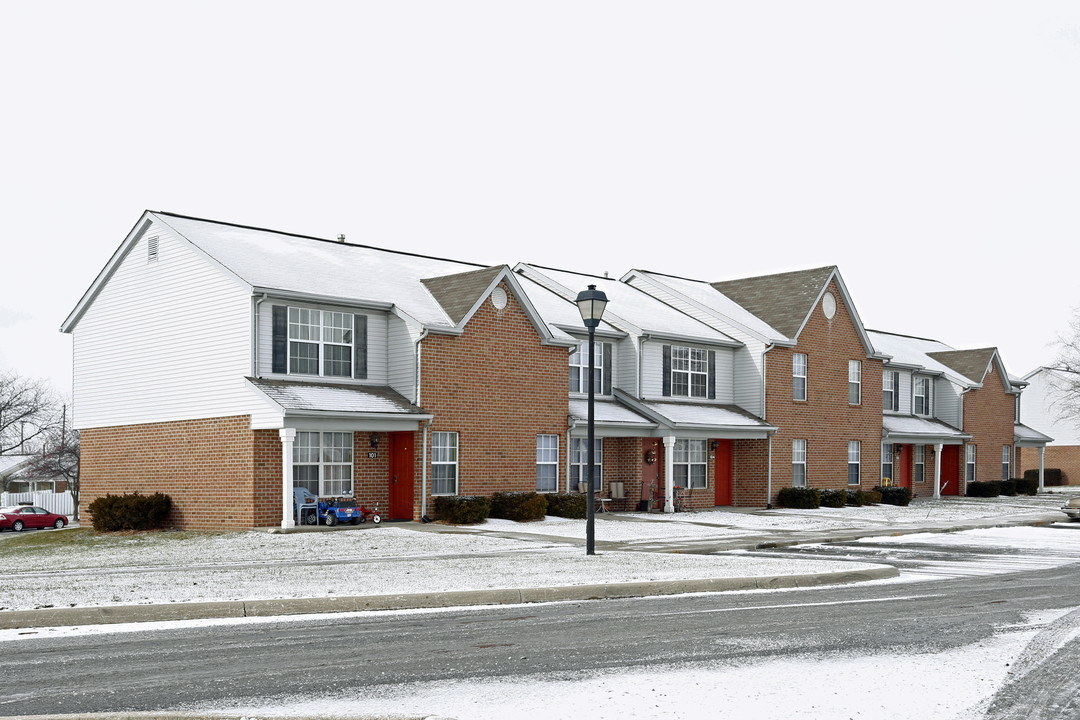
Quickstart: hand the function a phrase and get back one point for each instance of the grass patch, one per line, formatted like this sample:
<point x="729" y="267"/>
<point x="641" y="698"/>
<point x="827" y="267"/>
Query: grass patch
<point x="41" y="543"/>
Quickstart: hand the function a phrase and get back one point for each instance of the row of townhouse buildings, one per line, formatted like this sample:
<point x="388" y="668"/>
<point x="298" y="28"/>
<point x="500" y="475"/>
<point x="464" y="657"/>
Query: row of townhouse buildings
<point x="225" y="365"/>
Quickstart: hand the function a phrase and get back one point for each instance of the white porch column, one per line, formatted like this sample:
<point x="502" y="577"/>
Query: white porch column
<point x="937" y="470"/>
<point x="287" y="435"/>
<point x="669" y="473"/>
<point x="1042" y="458"/>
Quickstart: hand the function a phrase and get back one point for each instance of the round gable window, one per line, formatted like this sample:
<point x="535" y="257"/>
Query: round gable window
<point x="828" y="305"/>
<point x="498" y="298"/>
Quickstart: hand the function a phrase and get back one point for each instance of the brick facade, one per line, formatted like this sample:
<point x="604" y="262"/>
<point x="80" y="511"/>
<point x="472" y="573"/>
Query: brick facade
<point x="988" y="418"/>
<point x="1063" y="457"/>
<point x="826" y="420"/>
<point x="498" y="387"/>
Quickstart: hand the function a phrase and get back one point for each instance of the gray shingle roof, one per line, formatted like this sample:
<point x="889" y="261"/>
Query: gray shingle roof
<point x="783" y="300"/>
<point x="459" y="292"/>
<point x="972" y="364"/>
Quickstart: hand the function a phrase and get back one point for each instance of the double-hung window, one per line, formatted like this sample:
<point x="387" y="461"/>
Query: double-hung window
<point x="854" y="382"/>
<point x="890" y="390"/>
<point x="579" y="367"/>
<point x="689" y="465"/>
<point x="922" y="396"/>
<point x="323" y="463"/>
<point x="798" y="376"/>
<point x="854" y="462"/>
<point x="444" y="463"/>
<point x="579" y="464"/>
<point x="689" y="372"/>
<point x="798" y="463"/>
<point x="320" y="342"/>
<point x="969" y="465"/>
<point x="547" y="463"/>
<point x="920" y="463"/>
<point x="1006" y="461"/>
<point x="886" y="462"/>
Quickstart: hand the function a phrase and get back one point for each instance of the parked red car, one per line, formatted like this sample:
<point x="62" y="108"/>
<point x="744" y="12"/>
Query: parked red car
<point x="17" y="517"/>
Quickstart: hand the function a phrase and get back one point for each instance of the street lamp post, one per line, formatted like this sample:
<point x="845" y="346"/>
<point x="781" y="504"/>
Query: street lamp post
<point x="591" y="304"/>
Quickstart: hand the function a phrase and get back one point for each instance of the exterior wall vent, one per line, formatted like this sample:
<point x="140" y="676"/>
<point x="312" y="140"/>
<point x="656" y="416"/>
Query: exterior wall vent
<point x="152" y="249"/>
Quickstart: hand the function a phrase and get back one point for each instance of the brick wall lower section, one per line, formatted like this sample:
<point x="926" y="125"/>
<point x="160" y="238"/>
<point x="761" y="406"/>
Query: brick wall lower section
<point x="208" y="468"/>
<point x="988" y="418"/>
<point x="1064" y="457"/>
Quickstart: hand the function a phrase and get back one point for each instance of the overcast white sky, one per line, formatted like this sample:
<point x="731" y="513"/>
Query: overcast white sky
<point x="930" y="149"/>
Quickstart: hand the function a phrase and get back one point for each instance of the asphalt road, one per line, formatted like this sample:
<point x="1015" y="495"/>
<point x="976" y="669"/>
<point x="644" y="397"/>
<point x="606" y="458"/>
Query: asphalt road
<point x="163" y="669"/>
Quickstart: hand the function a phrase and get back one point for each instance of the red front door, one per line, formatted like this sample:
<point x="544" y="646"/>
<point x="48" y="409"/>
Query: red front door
<point x="722" y="475"/>
<point x="950" y="470"/>
<point x="401" y="476"/>
<point x="903" y="465"/>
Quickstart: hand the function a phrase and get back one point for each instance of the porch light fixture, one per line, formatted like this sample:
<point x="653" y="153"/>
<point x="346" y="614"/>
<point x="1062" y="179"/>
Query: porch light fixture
<point x="591" y="304"/>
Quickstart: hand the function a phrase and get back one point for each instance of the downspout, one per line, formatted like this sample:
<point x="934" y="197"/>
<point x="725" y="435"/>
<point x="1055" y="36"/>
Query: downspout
<point x="571" y="424"/>
<point x="255" y="335"/>
<point x="416" y="388"/>
<point x="764" y="412"/>
<point x="423" y="472"/>
<point x="768" y="490"/>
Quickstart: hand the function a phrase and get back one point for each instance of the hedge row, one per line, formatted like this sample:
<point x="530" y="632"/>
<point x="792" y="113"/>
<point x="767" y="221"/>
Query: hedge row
<point x="518" y="506"/>
<point x="812" y="498"/>
<point x="1011" y="487"/>
<point x="130" y="512"/>
<point x="1051" y="476"/>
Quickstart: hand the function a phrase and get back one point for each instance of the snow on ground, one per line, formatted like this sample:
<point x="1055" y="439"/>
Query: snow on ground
<point x="950" y="685"/>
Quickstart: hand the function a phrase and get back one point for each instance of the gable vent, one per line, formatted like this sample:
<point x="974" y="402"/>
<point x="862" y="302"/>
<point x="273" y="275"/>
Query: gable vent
<point x="152" y="249"/>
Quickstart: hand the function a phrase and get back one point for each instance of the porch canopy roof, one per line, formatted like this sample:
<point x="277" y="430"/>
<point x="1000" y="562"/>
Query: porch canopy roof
<point x="699" y="420"/>
<point x="1023" y="436"/>
<point x="910" y="430"/>
<point x="308" y="405"/>
<point x="610" y="419"/>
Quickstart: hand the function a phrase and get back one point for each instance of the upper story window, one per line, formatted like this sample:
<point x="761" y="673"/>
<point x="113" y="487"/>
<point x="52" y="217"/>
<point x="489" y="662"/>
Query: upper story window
<point x="854" y="382"/>
<point x="689" y="372"/>
<point x="890" y="390"/>
<point x="922" y="396"/>
<point x="798" y="376"/>
<point x="324" y="343"/>
<point x="579" y="368"/>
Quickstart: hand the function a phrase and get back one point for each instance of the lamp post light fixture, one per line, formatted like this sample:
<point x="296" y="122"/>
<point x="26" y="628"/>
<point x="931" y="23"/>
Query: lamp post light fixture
<point x="591" y="304"/>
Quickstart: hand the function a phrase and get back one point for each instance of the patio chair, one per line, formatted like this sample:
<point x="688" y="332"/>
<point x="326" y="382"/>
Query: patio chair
<point x="304" y="500"/>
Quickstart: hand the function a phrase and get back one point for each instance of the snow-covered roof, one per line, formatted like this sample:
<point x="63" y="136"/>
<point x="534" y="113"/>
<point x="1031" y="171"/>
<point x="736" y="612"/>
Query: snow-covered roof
<point x="916" y="352"/>
<point x="708" y="298"/>
<point x="330" y="399"/>
<point x="609" y="414"/>
<point x="717" y="420"/>
<point x="628" y="309"/>
<point x="13" y="463"/>
<point x="917" y="430"/>
<point x="1029" y="437"/>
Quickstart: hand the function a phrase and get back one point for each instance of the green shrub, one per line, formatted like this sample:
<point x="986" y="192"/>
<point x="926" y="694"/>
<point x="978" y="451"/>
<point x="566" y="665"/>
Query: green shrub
<point x="984" y="488"/>
<point x="834" y="498"/>
<point x="799" y="497"/>
<point x="858" y="498"/>
<point x="1027" y="487"/>
<point x="894" y="495"/>
<point x="519" y="506"/>
<point x="462" y="509"/>
<point x="1008" y="488"/>
<point x="567" y="505"/>
<point x="1051" y="476"/>
<point x="130" y="512"/>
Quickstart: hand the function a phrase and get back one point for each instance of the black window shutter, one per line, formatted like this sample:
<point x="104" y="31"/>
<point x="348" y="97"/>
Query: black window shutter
<point x="896" y="391"/>
<point x="712" y="374"/>
<point x="281" y="339"/>
<point x="360" y="347"/>
<point x="667" y="371"/>
<point x="607" y="367"/>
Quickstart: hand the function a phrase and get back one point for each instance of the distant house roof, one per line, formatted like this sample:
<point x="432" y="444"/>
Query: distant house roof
<point x="12" y="464"/>
<point x="782" y="300"/>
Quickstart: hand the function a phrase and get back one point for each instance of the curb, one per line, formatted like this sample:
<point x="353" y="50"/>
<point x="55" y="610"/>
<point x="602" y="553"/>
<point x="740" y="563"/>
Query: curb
<point x="106" y="615"/>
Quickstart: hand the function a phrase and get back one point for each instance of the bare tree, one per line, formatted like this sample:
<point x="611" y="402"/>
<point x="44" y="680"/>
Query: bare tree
<point x="59" y="457"/>
<point x="1065" y="383"/>
<point x="28" y="410"/>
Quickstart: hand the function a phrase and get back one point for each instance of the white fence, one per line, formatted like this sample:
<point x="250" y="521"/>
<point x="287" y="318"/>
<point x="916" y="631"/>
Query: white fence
<point x="57" y="502"/>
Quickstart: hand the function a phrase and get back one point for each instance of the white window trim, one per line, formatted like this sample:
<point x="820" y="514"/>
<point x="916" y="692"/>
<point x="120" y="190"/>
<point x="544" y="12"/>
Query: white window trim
<point x="890" y="387"/>
<point x="970" y="464"/>
<point x="855" y="381"/>
<point x="579" y="363"/>
<point x="579" y="461"/>
<point x="325" y="462"/>
<point x="888" y="462"/>
<point x="547" y="462"/>
<point x="1006" y="462"/>
<point x="798" y="459"/>
<point x="920" y="463"/>
<point x="795" y="375"/>
<point x="695" y="360"/>
<point x="927" y="401"/>
<point x="854" y="457"/>
<point x="436" y="445"/>
<point x="683" y="455"/>
<point x="318" y="322"/>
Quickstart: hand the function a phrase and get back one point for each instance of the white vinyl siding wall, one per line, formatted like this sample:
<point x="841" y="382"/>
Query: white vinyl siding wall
<point x="946" y="405"/>
<point x="172" y="337"/>
<point x="399" y="353"/>
<point x="624" y="365"/>
<point x="653" y="373"/>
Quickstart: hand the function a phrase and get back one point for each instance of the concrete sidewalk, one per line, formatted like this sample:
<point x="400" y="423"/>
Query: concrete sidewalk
<point x="713" y="525"/>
